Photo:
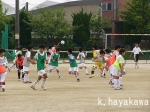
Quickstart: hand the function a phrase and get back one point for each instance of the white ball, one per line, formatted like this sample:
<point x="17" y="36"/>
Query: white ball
<point x="62" y="42"/>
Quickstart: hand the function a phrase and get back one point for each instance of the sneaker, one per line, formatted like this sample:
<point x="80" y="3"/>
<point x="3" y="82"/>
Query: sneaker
<point x="120" y="87"/>
<point x="60" y="77"/>
<point x="3" y="89"/>
<point x="104" y="75"/>
<point x="33" y="87"/>
<point x="91" y="76"/>
<point x="117" y="88"/>
<point x="78" y="80"/>
<point x="27" y="82"/>
<point x="43" y="87"/>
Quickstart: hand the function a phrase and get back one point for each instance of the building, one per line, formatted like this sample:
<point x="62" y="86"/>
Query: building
<point x="45" y="4"/>
<point x="110" y="9"/>
<point x="76" y="6"/>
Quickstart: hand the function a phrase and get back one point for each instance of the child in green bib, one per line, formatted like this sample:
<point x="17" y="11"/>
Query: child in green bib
<point x="73" y="64"/>
<point x="53" y="64"/>
<point x="41" y="61"/>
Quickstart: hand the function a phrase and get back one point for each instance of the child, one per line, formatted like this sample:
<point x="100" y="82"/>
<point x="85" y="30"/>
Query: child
<point x="116" y="53"/>
<point x="20" y="51"/>
<point x="19" y="63"/>
<point x="117" y="70"/>
<point x="108" y="62"/>
<point x="41" y="61"/>
<point x="3" y="72"/>
<point x="14" y="59"/>
<point x="26" y="64"/>
<point x="48" y="56"/>
<point x="97" y="60"/>
<point x="53" y="48"/>
<point x="50" y="49"/>
<point x="81" y="56"/>
<point x="73" y="65"/>
<point x="54" y="62"/>
<point x="136" y="50"/>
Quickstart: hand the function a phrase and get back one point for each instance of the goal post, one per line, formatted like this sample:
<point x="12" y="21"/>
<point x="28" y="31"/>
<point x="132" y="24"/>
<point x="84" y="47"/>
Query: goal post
<point x="122" y="35"/>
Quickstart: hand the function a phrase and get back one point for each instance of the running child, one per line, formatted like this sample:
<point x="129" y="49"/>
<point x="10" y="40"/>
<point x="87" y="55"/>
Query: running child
<point x="136" y="50"/>
<point x="108" y="63"/>
<point x="53" y="48"/>
<point x="19" y="63"/>
<point x="3" y="71"/>
<point x="97" y="60"/>
<point x="54" y="62"/>
<point x="117" y="70"/>
<point x="81" y="56"/>
<point x="26" y="64"/>
<point x="73" y="64"/>
<point x="41" y="63"/>
<point x="14" y="59"/>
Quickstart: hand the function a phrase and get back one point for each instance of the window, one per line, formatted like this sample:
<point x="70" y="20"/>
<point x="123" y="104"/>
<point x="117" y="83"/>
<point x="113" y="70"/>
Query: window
<point x="115" y="4"/>
<point x="106" y="7"/>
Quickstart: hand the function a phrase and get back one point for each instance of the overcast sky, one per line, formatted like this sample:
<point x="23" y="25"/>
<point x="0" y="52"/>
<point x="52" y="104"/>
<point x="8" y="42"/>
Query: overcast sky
<point x="32" y="3"/>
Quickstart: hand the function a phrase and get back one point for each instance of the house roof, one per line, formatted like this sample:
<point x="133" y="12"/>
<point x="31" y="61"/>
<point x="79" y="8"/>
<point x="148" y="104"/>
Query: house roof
<point x="80" y="2"/>
<point x="45" y="4"/>
<point x="10" y="9"/>
<point x="72" y="3"/>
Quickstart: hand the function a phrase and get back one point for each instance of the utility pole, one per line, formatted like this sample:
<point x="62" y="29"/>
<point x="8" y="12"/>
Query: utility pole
<point x="27" y="6"/>
<point x="17" y="37"/>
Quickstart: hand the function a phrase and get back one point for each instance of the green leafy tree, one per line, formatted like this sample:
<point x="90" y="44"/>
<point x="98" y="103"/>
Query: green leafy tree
<point x="11" y="33"/>
<point x="51" y="23"/>
<point x="136" y="14"/>
<point x="96" y="27"/>
<point x="81" y="20"/>
<point x="3" y="18"/>
<point x="25" y="28"/>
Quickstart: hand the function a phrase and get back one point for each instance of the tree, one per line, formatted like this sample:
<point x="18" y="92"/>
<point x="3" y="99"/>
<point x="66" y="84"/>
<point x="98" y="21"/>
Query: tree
<point x="11" y="34"/>
<point x="25" y="28"/>
<point x="96" y="27"/>
<point x="129" y="40"/>
<point x="81" y="20"/>
<point x="3" y="18"/>
<point x="51" y="23"/>
<point x="136" y="14"/>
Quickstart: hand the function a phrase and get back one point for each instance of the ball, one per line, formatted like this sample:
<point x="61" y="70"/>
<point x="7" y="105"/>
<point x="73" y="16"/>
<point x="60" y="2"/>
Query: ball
<point x="62" y="42"/>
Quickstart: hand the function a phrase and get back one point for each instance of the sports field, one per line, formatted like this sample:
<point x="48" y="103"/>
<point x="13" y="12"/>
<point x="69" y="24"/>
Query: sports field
<point x="67" y="95"/>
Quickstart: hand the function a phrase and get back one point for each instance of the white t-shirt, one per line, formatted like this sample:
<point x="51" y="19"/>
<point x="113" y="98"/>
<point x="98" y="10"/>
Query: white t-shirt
<point x="81" y="57"/>
<point x="28" y="54"/>
<point x="26" y="62"/>
<point x="117" y="54"/>
<point x="136" y="50"/>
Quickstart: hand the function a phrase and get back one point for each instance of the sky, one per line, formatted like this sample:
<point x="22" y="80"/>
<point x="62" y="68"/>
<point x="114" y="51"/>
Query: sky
<point x="32" y="3"/>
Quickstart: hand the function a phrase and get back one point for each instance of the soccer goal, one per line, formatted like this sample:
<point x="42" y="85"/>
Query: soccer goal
<point x="122" y="35"/>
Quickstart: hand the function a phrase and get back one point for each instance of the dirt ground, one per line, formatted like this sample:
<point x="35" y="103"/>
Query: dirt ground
<point x="67" y="95"/>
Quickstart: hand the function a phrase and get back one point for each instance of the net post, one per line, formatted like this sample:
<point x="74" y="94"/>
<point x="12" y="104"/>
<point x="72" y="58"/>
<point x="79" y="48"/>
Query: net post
<point x="106" y="41"/>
